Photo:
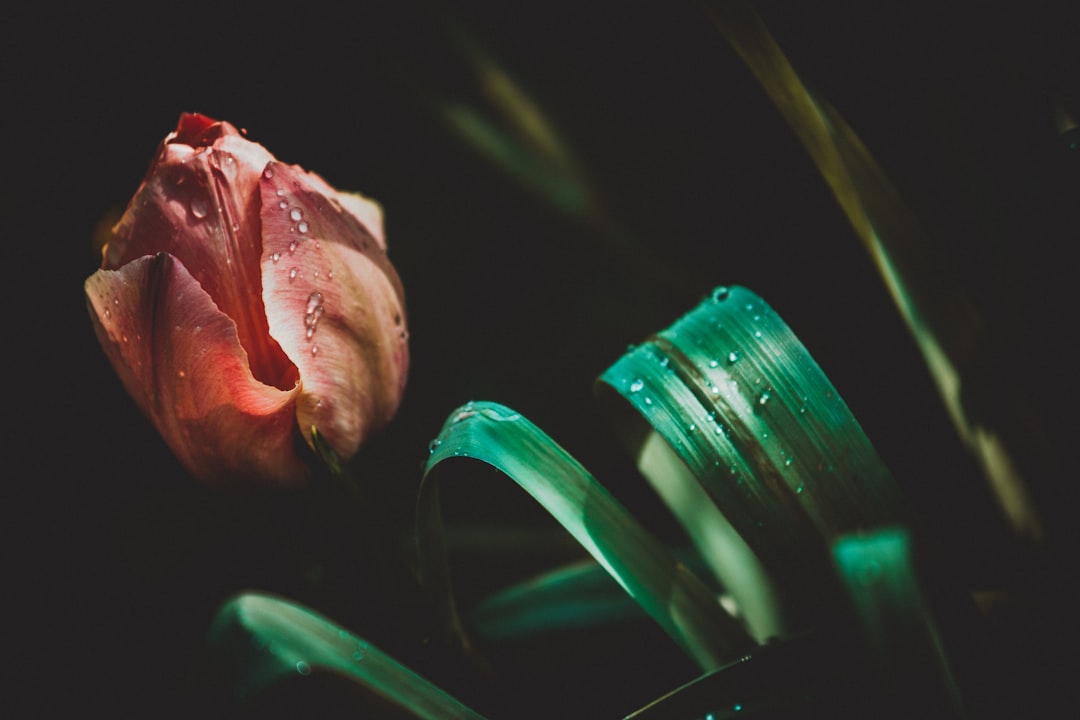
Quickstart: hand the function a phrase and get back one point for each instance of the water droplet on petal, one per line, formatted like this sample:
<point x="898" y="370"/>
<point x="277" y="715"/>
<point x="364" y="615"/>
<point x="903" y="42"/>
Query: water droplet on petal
<point x="293" y="272"/>
<point x="314" y="350"/>
<point x="292" y="247"/>
<point x="281" y="192"/>
<point x="295" y="214"/>
<point x="268" y="173"/>
<point x="276" y="256"/>
<point x="302" y="227"/>
<point x="282" y="204"/>
<point x="198" y="207"/>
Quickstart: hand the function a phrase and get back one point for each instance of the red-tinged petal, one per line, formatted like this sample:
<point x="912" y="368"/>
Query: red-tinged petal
<point x="200" y="203"/>
<point x="334" y="304"/>
<point x="179" y="356"/>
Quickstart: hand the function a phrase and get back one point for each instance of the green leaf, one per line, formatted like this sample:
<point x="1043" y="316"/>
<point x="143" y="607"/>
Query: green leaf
<point x="257" y="641"/>
<point x="768" y="466"/>
<point x="897" y="623"/>
<point x="950" y="330"/>
<point x="493" y="434"/>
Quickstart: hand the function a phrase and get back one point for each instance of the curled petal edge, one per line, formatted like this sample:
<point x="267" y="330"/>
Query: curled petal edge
<point x="180" y="358"/>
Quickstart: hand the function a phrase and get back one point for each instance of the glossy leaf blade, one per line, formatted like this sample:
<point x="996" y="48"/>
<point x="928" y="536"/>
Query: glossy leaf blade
<point x="666" y="590"/>
<point x="258" y="640"/>
<point x="745" y="407"/>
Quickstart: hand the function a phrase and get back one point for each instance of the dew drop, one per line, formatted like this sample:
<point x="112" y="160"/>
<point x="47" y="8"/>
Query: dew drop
<point x="303" y="668"/>
<point x="281" y="192"/>
<point x="293" y="272"/>
<point x="713" y="364"/>
<point x="268" y="173"/>
<point x="314" y="350"/>
<point x="295" y="214"/>
<point x="648" y="401"/>
<point x="108" y="312"/>
<point x="314" y="300"/>
<point x="302" y="227"/>
<point x="330" y="274"/>
<point x="637" y="385"/>
<point x="276" y="256"/>
<point x="358" y="655"/>
<point x="198" y="207"/>
<point x="721" y="294"/>
<point x="292" y="247"/>
<point x="733" y="357"/>
<point x="788" y="460"/>
<point x="282" y="204"/>
<point x="434" y="445"/>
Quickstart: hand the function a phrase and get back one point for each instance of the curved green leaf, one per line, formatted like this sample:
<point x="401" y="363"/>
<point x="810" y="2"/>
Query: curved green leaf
<point x="668" y="592"/>
<point x="765" y="435"/>
<point x="260" y="640"/>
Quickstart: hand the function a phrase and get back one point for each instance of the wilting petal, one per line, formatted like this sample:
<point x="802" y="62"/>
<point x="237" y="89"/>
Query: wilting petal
<point x="334" y="305"/>
<point x="180" y="358"/>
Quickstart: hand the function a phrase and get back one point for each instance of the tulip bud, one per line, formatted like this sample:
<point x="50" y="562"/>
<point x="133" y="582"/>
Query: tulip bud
<point x="241" y="299"/>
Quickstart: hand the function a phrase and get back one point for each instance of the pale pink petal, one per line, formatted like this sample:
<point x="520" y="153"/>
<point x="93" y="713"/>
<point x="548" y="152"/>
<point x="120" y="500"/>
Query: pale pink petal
<point x="200" y="202"/>
<point x="335" y="306"/>
<point x="368" y="212"/>
<point x="179" y="357"/>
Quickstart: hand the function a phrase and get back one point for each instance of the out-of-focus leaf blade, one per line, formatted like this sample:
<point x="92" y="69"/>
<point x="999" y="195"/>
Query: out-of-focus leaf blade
<point x="897" y="623"/>
<point x="668" y="592"/>
<point x="770" y="447"/>
<point x="576" y="596"/>
<point x="257" y="641"/>
<point x="947" y="326"/>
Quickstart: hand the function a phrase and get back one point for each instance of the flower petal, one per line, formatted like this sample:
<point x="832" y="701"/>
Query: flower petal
<point x="200" y="203"/>
<point x="335" y="305"/>
<point x="179" y="356"/>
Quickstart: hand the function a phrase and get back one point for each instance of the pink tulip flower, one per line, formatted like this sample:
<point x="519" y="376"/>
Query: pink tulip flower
<point x="244" y="302"/>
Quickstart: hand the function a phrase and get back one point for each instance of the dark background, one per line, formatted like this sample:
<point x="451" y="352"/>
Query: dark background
<point x="116" y="560"/>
